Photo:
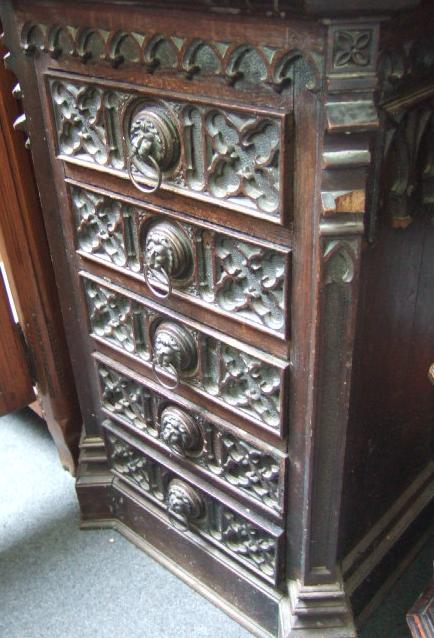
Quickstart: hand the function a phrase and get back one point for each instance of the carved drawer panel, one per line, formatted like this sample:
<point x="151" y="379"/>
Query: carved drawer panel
<point x="226" y="454"/>
<point x="245" y="380"/>
<point x="247" y="280"/>
<point x="229" y="155"/>
<point x="192" y="510"/>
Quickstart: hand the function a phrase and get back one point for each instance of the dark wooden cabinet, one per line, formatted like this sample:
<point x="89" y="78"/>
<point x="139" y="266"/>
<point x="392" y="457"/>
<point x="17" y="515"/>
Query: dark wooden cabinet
<point x="238" y="202"/>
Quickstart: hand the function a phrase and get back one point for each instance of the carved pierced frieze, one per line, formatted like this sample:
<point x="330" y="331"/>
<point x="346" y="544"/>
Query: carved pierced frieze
<point x="240" y="65"/>
<point x="218" y="450"/>
<point x="253" y="384"/>
<point x="192" y="511"/>
<point x="229" y="156"/>
<point x="245" y="279"/>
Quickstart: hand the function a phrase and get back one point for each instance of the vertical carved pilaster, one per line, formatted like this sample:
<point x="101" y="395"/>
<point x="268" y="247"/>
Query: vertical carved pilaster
<point x="317" y="597"/>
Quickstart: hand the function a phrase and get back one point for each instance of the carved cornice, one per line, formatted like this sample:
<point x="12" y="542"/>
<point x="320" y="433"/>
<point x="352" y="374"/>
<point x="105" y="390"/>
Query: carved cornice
<point x="281" y="8"/>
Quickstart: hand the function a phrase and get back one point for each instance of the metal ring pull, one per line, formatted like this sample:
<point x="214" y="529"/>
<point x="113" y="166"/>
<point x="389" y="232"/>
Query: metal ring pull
<point x="168" y="257"/>
<point x="137" y="184"/>
<point x="174" y="352"/>
<point x="184" y="505"/>
<point x="153" y="144"/>
<point x="156" y="368"/>
<point x="166" y="281"/>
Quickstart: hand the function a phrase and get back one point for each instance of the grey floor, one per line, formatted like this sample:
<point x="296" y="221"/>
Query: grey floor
<point x="59" y="582"/>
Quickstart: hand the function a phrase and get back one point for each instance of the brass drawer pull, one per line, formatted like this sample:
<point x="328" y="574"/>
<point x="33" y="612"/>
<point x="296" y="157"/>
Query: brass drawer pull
<point x="154" y="164"/>
<point x="169" y="370"/>
<point x="184" y="505"/>
<point x="179" y="431"/>
<point x="153" y="145"/>
<point x="174" y="352"/>
<point x="168" y="254"/>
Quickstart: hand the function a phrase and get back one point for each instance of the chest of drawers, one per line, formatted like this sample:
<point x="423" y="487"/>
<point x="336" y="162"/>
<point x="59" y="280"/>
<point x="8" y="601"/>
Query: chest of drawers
<point x="210" y="174"/>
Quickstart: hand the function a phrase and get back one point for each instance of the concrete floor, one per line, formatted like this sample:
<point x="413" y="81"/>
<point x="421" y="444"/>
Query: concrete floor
<point x="57" y="581"/>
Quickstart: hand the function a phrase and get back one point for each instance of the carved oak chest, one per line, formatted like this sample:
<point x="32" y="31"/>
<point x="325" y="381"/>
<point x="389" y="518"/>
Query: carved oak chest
<point x="221" y="183"/>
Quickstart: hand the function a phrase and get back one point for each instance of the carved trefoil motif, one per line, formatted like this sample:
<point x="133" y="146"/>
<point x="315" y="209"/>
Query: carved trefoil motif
<point x="252" y="384"/>
<point x="229" y="156"/>
<point x="193" y="511"/>
<point x="218" y="450"/>
<point x="243" y="278"/>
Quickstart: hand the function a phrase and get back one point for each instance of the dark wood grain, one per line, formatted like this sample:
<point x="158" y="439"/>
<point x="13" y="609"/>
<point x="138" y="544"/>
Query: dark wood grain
<point x="16" y="385"/>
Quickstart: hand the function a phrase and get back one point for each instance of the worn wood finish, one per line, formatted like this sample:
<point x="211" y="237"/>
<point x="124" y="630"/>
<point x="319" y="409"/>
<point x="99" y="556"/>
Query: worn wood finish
<point x="14" y="365"/>
<point x="216" y="179"/>
<point x="25" y="252"/>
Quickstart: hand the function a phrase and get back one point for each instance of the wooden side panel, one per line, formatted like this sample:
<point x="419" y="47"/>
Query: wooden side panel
<point x="16" y="389"/>
<point x="392" y="403"/>
<point x="27" y="261"/>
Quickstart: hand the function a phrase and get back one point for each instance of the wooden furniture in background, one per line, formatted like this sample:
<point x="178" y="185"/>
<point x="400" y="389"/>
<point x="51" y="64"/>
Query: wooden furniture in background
<point x="24" y="250"/>
<point x="13" y="361"/>
<point x="222" y="183"/>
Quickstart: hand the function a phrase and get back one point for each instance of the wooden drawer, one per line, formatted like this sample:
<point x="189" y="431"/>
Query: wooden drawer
<point x="174" y="256"/>
<point x="183" y="354"/>
<point x="195" y="509"/>
<point x="199" y="441"/>
<point x="228" y="154"/>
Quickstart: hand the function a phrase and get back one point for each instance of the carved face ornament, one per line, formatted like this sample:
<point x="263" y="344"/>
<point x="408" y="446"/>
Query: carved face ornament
<point x="167" y="351"/>
<point x="146" y="140"/>
<point x="159" y="255"/>
<point x="174" y="433"/>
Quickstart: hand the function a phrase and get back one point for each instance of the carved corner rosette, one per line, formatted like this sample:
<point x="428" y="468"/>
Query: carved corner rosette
<point x="351" y="117"/>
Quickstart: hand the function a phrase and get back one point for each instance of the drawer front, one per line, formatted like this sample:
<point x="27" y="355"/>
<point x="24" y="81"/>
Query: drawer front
<point x="232" y="274"/>
<point x="228" y="455"/>
<point x="226" y="155"/>
<point x="244" y="380"/>
<point x="253" y="543"/>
